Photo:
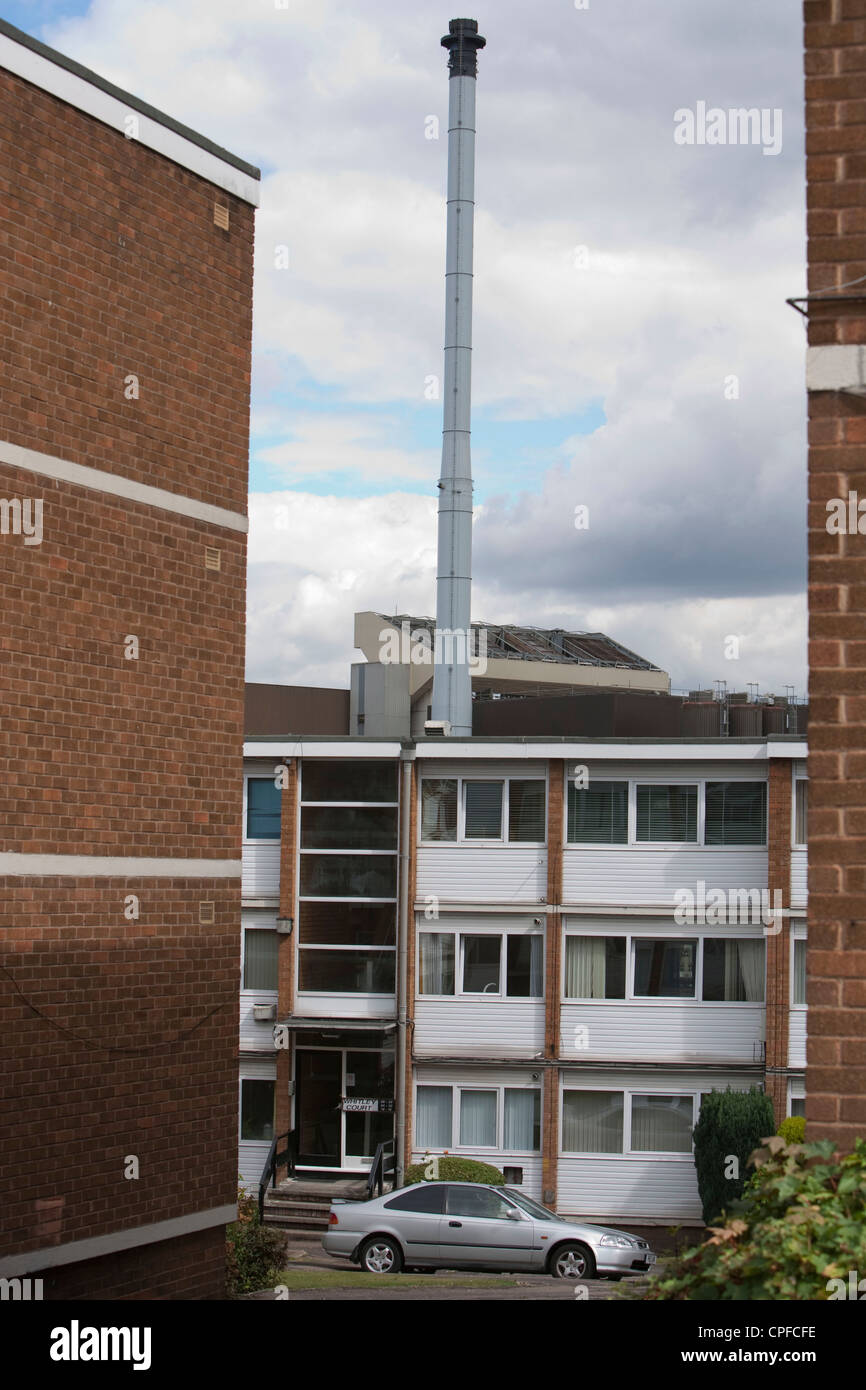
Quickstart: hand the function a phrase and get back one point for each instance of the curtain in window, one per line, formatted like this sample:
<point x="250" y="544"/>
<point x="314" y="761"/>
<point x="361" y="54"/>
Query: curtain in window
<point x="536" y="970"/>
<point x="437" y="963"/>
<point x="260" y="959"/>
<point x="438" y="809"/>
<point x="751" y="965"/>
<point x="662" y="1124"/>
<point x="585" y="967"/>
<point x="592" y="1122"/>
<point x="521" y="1120"/>
<point x="478" y="1118"/>
<point x="799" y="972"/>
<point x="433" y="1118"/>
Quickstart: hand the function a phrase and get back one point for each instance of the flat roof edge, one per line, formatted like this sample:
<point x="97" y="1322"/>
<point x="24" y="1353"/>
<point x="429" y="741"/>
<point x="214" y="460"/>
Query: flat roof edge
<point x="144" y="108"/>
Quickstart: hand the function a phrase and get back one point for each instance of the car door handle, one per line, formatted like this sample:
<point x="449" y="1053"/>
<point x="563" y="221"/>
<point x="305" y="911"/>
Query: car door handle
<point x="455" y="1223"/>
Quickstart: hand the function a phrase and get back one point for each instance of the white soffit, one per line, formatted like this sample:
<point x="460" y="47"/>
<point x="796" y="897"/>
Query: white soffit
<point x="89" y="94"/>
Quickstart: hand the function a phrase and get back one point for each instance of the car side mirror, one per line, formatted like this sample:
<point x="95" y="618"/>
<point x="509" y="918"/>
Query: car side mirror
<point x="513" y="1214"/>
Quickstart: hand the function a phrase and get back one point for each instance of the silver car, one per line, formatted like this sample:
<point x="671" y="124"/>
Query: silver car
<point x="467" y="1225"/>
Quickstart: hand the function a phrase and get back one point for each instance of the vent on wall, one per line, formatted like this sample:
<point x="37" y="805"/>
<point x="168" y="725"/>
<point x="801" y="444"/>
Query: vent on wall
<point x="212" y="558"/>
<point x="221" y="216"/>
<point x="206" y="914"/>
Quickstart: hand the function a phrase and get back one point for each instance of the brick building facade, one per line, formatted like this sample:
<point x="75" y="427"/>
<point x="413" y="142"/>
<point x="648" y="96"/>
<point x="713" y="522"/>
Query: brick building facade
<point x="835" y="63"/>
<point x="126" y="249"/>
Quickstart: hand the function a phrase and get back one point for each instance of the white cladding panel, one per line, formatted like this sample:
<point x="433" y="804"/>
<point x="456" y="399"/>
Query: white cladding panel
<point x="256" y="1037"/>
<point x="495" y="1028"/>
<point x="799" y="767"/>
<point x="345" y="1005"/>
<point x="679" y="770"/>
<point x="465" y="873"/>
<point x="442" y="767"/>
<point x="797" y="1038"/>
<point x="662" y="1032"/>
<point x="261" y="869"/>
<point x="635" y="874"/>
<point x="619" y="1189"/>
<point x="799" y="877"/>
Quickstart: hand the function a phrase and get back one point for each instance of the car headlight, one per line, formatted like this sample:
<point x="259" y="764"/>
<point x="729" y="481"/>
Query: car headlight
<point x="618" y="1240"/>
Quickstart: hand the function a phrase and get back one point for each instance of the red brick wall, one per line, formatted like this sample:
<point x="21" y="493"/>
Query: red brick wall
<point x="778" y="942"/>
<point x="552" y="977"/>
<point x="835" y="64"/>
<point x="120" y="1035"/>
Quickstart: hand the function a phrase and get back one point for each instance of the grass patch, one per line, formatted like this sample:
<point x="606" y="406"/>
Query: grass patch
<point x="337" y="1279"/>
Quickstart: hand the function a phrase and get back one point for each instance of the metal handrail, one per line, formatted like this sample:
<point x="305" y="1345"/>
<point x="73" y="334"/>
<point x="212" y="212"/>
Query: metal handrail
<point x="378" y="1169"/>
<point x="275" y="1159"/>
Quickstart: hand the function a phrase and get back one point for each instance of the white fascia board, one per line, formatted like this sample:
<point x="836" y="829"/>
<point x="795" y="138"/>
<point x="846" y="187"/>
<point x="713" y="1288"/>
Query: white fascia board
<point x="620" y="752"/>
<point x="836" y="367"/>
<point x="83" y="95"/>
<point x="297" y="748"/>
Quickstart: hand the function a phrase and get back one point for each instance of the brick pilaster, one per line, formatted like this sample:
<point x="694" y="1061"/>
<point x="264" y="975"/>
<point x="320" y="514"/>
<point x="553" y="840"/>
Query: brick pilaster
<point x="779" y="935"/>
<point x="552" y="976"/>
<point x="286" y="956"/>
<point x="412" y="851"/>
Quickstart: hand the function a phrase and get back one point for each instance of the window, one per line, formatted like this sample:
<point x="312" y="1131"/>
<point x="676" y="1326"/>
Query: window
<point x="667" y="814"/>
<point x="347" y="972"/>
<point x="468" y="810"/>
<point x="425" y="1198"/>
<point x="733" y="971"/>
<point x="736" y="813"/>
<point x="436" y="966"/>
<point x="257" y="1110"/>
<point x="478" y="1201"/>
<point x="798" y="1105"/>
<point x="483" y="810"/>
<point x="662" y="1124"/>
<point x="526" y="812"/>
<point x="346" y="924"/>
<point x="433" y="1117"/>
<point x="507" y="1118"/>
<point x="799" y="980"/>
<point x="598" y="814"/>
<point x="263" y="809"/>
<point x="348" y="827"/>
<point x="664" y="969"/>
<point x="592" y="1122"/>
<point x="801" y="811"/>
<point x="349" y="781"/>
<point x="439" y="809"/>
<point x="260" y="958"/>
<point x="348" y="876"/>
<point x="481" y="964"/>
<point x="522" y="1120"/>
<point x="481" y="960"/>
<point x="478" y="1119"/>
<point x="523" y="979"/>
<point x="595" y="967"/>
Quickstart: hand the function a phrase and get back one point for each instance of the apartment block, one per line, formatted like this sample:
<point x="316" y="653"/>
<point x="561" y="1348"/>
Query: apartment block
<point x="535" y="950"/>
<point x="126" y="253"/>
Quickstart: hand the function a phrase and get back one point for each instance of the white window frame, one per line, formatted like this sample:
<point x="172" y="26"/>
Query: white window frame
<point x="628" y="1153"/>
<point x="251" y="927"/>
<point x="457" y="1088"/>
<point x="666" y="1000"/>
<point x="473" y="995"/>
<point x="632" y="842"/>
<point x="502" y="841"/>
<point x="798" y="933"/>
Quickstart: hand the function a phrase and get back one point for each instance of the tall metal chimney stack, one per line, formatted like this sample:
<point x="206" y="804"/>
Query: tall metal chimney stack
<point x="452" y="682"/>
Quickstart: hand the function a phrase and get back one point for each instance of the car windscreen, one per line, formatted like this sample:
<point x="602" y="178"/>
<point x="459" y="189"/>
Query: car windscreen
<point x="533" y="1208"/>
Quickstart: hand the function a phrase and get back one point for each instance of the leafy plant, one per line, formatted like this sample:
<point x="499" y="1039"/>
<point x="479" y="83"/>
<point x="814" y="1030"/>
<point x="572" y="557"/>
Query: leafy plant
<point x="800" y="1226"/>
<point x="793" y="1130"/>
<point x="449" y="1169"/>
<point x="730" y="1126"/>
<point x="254" y="1253"/>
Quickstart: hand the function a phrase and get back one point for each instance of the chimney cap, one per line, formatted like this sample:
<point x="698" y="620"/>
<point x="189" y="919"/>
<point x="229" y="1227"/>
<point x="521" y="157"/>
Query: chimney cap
<point x="463" y="42"/>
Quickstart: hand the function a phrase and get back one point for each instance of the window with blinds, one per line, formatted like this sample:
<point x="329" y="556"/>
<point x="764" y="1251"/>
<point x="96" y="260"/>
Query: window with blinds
<point x="598" y="813"/>
<point x="736" y="813"/>
<point x="667" y="814"/>
<point x="483" y="810"/>
<point x="801" y="809"/>
<point x="261" y="948"/>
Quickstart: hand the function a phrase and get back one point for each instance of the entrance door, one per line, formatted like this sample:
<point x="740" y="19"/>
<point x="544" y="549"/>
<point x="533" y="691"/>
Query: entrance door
<point x="320" y="1087"/>
<point x="369" y="1076"/>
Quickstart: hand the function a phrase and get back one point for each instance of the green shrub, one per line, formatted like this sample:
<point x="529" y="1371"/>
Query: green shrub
<point x="800" y="1227"/>
<point x="450" y="1169"/>
<point x="793" y="1130"/>
<point x="254" y="1253"/>
<point x="731" y="1125"/>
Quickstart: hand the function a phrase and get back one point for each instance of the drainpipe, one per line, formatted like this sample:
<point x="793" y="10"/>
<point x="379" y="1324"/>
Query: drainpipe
<point x="402" y="974"/>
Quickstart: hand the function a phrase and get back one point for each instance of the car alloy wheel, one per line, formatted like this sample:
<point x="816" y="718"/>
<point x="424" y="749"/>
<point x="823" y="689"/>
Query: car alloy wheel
<point x="381" y="1256"/>
<point x="572" y="1262"/>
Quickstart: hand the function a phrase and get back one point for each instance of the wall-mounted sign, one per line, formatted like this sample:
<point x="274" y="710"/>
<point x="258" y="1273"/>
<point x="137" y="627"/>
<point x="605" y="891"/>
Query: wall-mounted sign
<point x="367" y="1105"/>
